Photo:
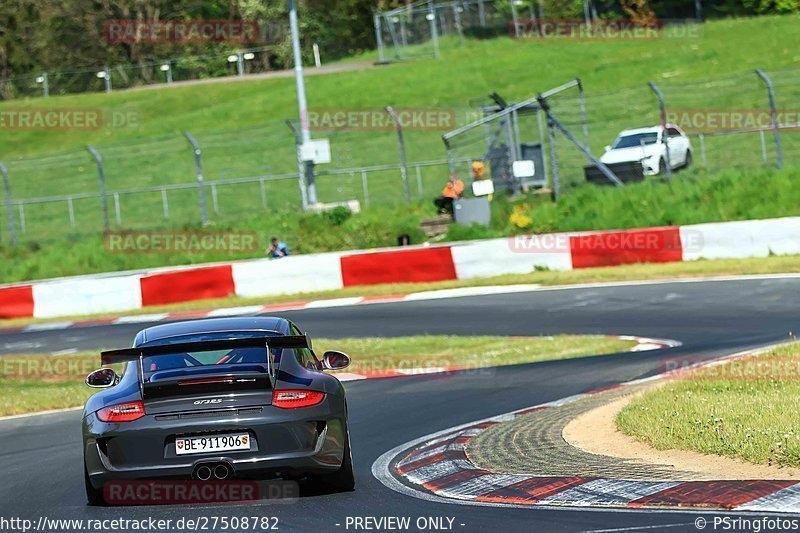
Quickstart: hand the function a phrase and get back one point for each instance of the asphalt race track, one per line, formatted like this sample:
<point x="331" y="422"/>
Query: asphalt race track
<point x="41" y="456"/>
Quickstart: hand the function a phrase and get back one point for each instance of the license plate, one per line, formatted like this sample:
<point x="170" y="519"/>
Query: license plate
<point x="212" y="443"/>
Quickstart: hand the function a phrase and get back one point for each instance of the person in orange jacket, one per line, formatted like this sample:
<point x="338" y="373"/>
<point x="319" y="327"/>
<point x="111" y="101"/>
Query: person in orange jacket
<point x="451" y="192"/>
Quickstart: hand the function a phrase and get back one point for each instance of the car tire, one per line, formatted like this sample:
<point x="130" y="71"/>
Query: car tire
<point x="94" y="497"/>
<point x="343" y="479"/>
<point x="688" y="160"/>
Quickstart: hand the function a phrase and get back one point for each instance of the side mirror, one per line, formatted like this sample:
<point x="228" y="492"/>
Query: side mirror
<point x="334" y="360"/>
<point x="102" y="378"/>
<point x="608" y="148"/>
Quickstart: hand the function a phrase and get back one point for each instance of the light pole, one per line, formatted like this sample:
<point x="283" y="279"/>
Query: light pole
<point x="305" y="134"/>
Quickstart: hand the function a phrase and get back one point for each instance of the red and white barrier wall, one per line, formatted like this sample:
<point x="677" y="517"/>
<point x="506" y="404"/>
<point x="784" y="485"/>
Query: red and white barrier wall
<point x="110" y="293"/>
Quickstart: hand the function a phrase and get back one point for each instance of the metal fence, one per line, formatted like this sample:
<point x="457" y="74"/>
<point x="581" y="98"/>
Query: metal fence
<point x="237" y="62"/>
<point x="747" y="120"/>
<point x="209" y="176"/>
<point x="417" y="30"/>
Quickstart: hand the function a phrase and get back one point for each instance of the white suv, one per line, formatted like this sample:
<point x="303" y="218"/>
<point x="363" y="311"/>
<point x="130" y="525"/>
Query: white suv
<point x="647" y="145"/>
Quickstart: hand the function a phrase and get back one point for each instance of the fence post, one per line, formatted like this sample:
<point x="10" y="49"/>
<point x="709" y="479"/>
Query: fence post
<point x="102" y="178"/>
<point x="551" y="137"/>
<point x="541" y="143"/>
<point x="582" y="99"/>
<point x="763" y="145"/>
<point x="402" y="146"/>
<point x="775" y="128"/>
<point x="301" y="170"/>
<point x="45" y="85"/>
<point x="107" y="77"/>
<point x="9" y="208"/>
<point x="200" y="193"/>
<point x="588" y="16"/>
<point x="71" y="210"/>
<point x="214" y="200"/>
<point x="378" y="36"/>
<point x="457" y="19"/>
<point x="434" y="31"/>
<point x="117" y="208"/>
<point x="514" y="18"/>
<point x="552" y="121"/>
<point x="21" y="206"/>
<point x="663" y="111"/>
<point x="702" y="138"/>
<point x="263" y="188"/>
<point x="365" y="186"/>
<point x="165" y="202"/>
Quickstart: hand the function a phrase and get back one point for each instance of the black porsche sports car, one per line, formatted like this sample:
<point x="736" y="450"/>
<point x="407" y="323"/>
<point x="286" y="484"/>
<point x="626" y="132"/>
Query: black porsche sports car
<point x="227" y="398"/>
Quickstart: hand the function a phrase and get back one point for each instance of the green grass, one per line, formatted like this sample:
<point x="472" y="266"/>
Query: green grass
<point x="691" y="198"/>
<point x="150" y="151"/>
<point x="40" y="382"/>
<point x="745" y="409"/>
<point x="516" y="69"/>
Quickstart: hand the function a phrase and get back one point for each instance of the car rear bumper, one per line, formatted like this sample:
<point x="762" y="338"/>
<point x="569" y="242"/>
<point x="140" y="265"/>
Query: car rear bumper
<point x="284" y="442"/>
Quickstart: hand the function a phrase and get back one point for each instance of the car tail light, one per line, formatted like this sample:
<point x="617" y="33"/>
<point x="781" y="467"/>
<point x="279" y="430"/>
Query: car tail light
<point x="123" y="412"/>
<point x="292" y="399"/>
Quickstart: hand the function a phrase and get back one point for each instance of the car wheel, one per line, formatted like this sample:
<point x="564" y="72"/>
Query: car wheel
<point x="688" y="161"/>
<point x="93" y="496"/>
<point x="344" y="478"/>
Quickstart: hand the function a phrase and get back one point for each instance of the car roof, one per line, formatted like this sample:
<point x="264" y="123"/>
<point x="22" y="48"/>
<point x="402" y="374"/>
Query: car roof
<point x="212" y="325"/>
<point x="649" y="129"/>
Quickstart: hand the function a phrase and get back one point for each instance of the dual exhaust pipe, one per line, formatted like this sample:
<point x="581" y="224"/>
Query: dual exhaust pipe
<point x="207" y="471"/>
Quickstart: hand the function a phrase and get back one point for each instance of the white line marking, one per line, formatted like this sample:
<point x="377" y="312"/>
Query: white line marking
<point x="235" y="311"/>
<point x="136" y="319"/>
<point x="334" y="302"/>
<point x="68" y="351"/>
<point x="46" y="326"/>
<point x="460" y="292"/>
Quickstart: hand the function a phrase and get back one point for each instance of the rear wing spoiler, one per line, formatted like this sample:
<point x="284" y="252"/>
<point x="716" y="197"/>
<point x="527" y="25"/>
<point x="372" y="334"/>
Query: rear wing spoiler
<point x="127" y="355"/>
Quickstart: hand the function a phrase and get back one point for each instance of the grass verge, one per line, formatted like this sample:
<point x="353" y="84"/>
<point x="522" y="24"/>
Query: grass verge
<point x="649" y="271"/>
<point x="31" y="383"/>
<point x="745" y="409"/>
<point x="693" y="197"/>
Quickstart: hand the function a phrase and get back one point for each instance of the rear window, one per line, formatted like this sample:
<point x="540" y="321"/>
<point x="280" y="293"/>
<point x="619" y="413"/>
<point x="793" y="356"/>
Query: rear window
<point x="637" y="139"/>
<point x="209" y="360"/>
